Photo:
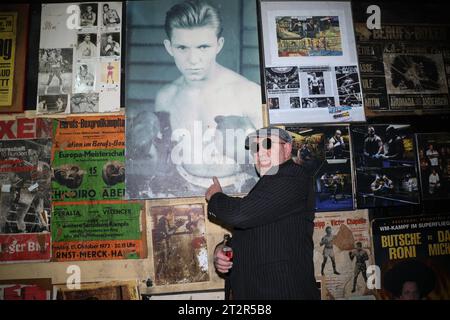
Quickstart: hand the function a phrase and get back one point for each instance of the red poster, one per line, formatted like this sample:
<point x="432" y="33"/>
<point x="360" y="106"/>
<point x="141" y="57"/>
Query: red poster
<point x="25" y="247"/>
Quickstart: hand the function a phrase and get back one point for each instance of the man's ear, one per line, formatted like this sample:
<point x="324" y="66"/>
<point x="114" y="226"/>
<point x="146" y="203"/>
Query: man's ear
<point x="287" y="150"/>
<point x="168" y="47"/>
<point x="220" y="41"/>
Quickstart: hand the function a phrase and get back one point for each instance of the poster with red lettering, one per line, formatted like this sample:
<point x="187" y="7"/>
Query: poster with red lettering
<point x="25" y="189"/>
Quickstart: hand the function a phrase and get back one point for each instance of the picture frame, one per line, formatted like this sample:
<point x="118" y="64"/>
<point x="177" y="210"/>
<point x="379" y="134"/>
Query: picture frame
<point x="433" y="154"/>
<point x="316" y="41"/>
<point x="15" y="62"/>
<point x="385" y="164"/>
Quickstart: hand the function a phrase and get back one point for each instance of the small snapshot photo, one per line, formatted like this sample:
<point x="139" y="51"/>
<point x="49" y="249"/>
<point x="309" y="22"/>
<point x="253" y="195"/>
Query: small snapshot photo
<point x="294" y="102"/>
<point x="88" y="14"/>
<point x="110" y="44"/>
<point x="111" y="14"/>
<point x="84" y="77"/>
<point x="325" y="102"/>
<point x="315" y="83"/>
<point x="86" y="45"/>
<point x="55" y="71"/>
<point x="84" y="103"/>
<point x="110" y="73"/>
<point x="274" y="103"/>
<point x="52" y="104"/>
<point x="282" y="79"/>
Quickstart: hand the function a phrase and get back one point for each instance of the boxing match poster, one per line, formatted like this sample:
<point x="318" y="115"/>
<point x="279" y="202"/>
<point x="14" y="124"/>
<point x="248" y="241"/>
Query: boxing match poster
<point x="342" y="253"/>
<point x="386" y="165"/>
<point x="311" y="66"/>
<point x="79" y="58"/>
<point x="404" y="68"/>
<point x="413" y="256"/>
<point x="434" y="162"/>
<point x="325" y="151"/>
<point x="91" y="220"/>
<point x="25" y="185"/>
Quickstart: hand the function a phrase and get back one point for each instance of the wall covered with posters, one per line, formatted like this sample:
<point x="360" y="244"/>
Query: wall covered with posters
<point x="84" y="172"/>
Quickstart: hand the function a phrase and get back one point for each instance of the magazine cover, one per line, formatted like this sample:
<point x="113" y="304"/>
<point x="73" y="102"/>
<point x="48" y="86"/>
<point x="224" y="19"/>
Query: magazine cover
<point x="386" y="165"/>
<point x="176" y="140"/>
<point x="326" y="150"/>
<point x="79" y="58"/>
<point x="434" y="161"/>
<point x="413" y="256"/>
<point x="25" y="182"/>
<point x="311" y="66"/>
<point x="342" y="253"/>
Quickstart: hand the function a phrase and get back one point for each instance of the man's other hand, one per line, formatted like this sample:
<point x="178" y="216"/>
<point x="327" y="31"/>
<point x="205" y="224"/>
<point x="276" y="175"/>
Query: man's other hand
<point x="221" y="261"/>
<point x="213" y="189"/>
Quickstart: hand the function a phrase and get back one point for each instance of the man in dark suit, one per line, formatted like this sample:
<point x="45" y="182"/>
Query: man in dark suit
<point x="272" y="226"/>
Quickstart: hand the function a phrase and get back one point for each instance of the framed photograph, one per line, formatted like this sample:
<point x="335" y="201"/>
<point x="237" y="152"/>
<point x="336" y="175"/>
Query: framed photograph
<point x="310" y="54"/>
<point x="326" y="151"/>
<point x="433" y="152"/>
<point x="193" y="95"/>
<point x="386" y="165"/>
<point x="14" y="37"/>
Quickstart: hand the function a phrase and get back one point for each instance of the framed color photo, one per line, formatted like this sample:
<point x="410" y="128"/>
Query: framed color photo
<point x="386" y="167"/>
<point x="13" y="39"/>
<point x="311" y="66"/>
<point x="433" y="151"/>
<point x="326" y="151"/>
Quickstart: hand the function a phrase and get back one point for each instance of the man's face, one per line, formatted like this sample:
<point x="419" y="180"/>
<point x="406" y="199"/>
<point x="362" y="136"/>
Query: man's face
<point x="194" y="51"/>
<point x="109" y="39"/>
<point x="105" y="8"/>
<point x="279" y="152"/>
<point x="410" y="291"/>
<point x="87" y="39"/>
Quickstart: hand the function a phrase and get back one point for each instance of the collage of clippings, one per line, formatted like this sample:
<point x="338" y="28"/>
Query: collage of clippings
<point x="434" y="162"/>
<point x="326" y="151"/>
<point x="342" y="253"/>
<point x="25" y="184"/>
<point x="404" y="68"/>
<point x="311" y="71"/>
<point x="386" y="165"/>
<point x="79" y="58"/>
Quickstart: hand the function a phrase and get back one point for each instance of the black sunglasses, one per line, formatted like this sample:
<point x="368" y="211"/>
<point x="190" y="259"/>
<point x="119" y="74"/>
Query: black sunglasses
<point x="265" y="144"/>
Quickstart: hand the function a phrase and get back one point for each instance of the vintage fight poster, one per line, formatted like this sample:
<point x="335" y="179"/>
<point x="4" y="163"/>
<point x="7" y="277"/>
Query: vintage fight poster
<point x="342" y="253"/>
<point x="91" y="220"/>
<point x="98" y="231"/>
<point x="88" y="159"/>
<point x="176" y="142"/>
<point x="13" y="52"/>
<point x="404" y="68"/>
<point x="413" y="254"/>
<point x="386" y="165"/>
<point x="326" y="152"/>
<point x="79" y="58"/>
<point x="25" y="181"/>
<point x="311" y="66"/>
<point x="434" y="161"/>
<point x="180" y="252"/>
